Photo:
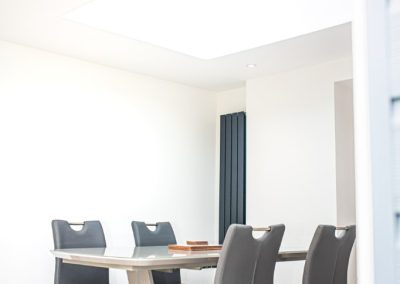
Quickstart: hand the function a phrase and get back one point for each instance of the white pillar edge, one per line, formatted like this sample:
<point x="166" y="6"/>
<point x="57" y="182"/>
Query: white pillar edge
<point x="374" y="197"/>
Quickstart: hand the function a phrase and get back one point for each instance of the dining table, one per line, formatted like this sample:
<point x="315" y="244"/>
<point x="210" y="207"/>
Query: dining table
<point x="138" y="262"/>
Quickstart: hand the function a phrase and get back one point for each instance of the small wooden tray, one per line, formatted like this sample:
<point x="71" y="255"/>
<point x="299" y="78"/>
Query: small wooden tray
<point x="194" y="247"/>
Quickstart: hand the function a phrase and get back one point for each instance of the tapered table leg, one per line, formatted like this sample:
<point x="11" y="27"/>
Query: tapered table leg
<point x="140" y="277"/>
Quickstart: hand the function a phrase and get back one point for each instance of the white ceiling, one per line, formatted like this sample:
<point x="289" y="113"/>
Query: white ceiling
<point x="310" y="32"/>
<point x="209" y="29"/>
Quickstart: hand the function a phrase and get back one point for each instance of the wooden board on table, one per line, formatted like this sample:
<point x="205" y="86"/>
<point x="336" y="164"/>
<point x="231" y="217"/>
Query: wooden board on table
<point x="194" y="247"/>
<point x="197" y="243"/>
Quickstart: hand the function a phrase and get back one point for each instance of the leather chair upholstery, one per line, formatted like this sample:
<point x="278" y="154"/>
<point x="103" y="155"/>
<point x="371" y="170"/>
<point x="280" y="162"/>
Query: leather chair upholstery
<point x="163" y="235"/>
<point x="246" y="260"/>
<point x="328" y="256"/>
<point x="90" y="236"/>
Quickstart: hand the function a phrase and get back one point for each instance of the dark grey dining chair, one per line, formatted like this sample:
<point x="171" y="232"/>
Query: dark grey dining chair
<point x="91" y="235"/>
<point x="163" y="235"/>
<point x="247" y="260"/>
<point x="328" y="256"/>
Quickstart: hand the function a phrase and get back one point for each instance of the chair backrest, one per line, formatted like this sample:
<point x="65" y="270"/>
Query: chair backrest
<point x="342" y="263"/>
<point x="90" y="236"/>
<point x="328" y="256"/>
<point x="163" y="235"/>
<point x="245" y="259"/>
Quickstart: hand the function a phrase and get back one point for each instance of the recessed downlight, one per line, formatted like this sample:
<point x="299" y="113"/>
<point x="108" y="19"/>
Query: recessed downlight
<point x="251" y="65"/>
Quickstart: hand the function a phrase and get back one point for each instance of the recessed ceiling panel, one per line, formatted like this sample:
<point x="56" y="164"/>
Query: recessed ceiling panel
<point x="209" y="29"/>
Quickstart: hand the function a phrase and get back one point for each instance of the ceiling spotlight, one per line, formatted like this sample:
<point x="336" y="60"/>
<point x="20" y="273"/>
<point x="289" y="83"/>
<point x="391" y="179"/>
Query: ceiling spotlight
<point x="251" y="65"/>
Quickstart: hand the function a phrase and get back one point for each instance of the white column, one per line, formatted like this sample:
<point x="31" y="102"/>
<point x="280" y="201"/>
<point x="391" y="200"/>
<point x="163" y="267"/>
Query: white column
<point x="375" y="218"/>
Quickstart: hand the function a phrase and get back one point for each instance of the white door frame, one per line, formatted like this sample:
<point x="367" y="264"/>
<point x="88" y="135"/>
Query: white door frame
<point x="374" y="196"/>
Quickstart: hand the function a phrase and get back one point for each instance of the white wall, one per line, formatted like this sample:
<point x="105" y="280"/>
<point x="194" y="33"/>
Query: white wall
<point x="231" y="101"/>
<point x="291" y="154"/>
<point x="344" y="137"/>
<point x="345" y="166"/>
<point x="83" y="141"/>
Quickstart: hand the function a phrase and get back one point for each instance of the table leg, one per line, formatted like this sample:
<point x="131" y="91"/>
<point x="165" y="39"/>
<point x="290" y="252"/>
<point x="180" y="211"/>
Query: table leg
<point x="140" y="277"/>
